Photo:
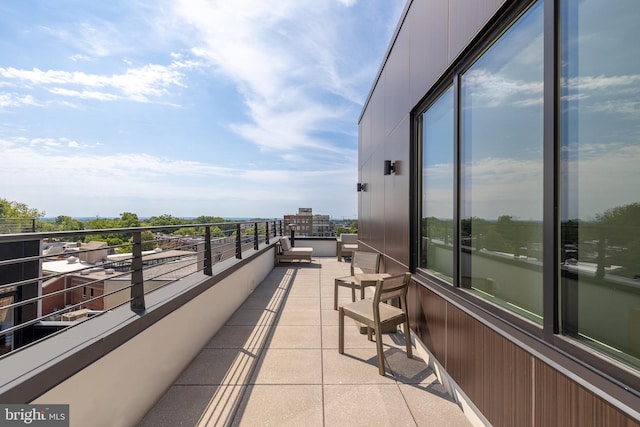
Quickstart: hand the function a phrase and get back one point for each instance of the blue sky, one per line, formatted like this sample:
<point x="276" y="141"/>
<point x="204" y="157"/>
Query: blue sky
<point x="186" y="107"/>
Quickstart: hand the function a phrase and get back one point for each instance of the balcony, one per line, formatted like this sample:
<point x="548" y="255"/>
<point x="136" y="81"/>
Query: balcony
<point x="251" y="344"/>
<point x="275" y="362"/>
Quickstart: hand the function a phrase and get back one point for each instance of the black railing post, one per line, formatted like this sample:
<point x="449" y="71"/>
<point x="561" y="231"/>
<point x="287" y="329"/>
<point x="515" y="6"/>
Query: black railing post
<point x="255" y="236"/>
<point x="238" y="242"/>
<point x="208" y="269"/>
<point x="280" y="223"/>
<point x="266" y="232"/>
<point x="137" y="279"/>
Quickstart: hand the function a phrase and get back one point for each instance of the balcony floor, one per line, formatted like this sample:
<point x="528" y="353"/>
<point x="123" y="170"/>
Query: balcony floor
<point x="276" y="362"/>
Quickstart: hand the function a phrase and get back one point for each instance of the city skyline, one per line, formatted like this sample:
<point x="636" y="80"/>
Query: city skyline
<point x="186" y="108"/>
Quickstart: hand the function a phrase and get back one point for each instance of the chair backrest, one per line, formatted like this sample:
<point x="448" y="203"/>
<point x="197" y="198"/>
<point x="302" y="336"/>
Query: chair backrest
<point x="285" y="243"/>
<point x="393" y="287"/>
<point x="349" y="238"/>
<point x="365" y="262"/>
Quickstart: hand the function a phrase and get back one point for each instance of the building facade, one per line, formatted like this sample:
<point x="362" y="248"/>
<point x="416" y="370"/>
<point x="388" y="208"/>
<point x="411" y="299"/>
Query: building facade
<point x="307" y="224"/>
<point x="498" y="145"/>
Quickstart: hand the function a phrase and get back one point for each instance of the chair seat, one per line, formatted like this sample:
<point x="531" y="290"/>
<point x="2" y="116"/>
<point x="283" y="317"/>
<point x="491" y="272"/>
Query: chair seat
<point x="299" y="251"/>
<point x="362" y="311"/>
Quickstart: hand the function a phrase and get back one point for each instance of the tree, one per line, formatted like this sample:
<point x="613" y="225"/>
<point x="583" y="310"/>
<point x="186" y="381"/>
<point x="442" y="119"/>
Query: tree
<point x="165" y="219"/>
<point x="18" y="217"/>
<point x="10" y="209"/>
<point x="129" y="220"/>
<point x="65" y="223"/>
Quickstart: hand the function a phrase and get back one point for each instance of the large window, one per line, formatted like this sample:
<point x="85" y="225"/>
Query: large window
<point x="436" y="249"/>
<point x="487" y="215"/>
<point x="502" y="167"/>
<point x="600" y="172"/>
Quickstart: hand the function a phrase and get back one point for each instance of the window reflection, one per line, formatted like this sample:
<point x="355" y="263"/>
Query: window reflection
<point x="436" y="252"/>
<point x="501" y="169"/>
<point x="600" y="248"/>
<point x="6" y="322"/>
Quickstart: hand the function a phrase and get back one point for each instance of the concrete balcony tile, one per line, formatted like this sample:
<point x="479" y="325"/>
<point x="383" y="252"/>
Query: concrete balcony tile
<point x="246" y="337"/>
<point x="329" y="315"/>
<point x="304" y="290"/>
<point x="180" y="406"/>
<point x="220" y="367"/>
<point x="355" y="366"/>
<point x="432" y="406"/>
<point x="300" y="302"/>
<point x="248" y="317"/>
<point x="408" y="370"/>
<point x="289" y="366"/>
<point x="299" y="316"/>
<point x="285" y="336"/>
<point x="281" y="405"/>
<point x="352" y="336"/>
<point x="366" y="405"/>
<point x="267" y="302"/>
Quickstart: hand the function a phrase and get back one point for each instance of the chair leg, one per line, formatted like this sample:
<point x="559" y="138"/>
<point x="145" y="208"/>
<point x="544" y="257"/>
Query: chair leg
<point x="335" y="296"/>
<point x="341" y="330"/>
<point x="407" y="338"/>
<point x="379" y="350"/>
<point x="353" y="294"/>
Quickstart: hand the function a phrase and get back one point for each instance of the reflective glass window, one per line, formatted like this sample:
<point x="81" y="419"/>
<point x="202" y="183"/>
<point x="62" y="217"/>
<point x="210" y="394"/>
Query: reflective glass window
<point x="599" y="175"/>
<point x="436" y="249"/>
<point x="501" y="169"/>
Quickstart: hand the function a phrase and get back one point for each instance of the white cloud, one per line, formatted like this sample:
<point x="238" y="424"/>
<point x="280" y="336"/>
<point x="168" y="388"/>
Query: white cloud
<point x="142" y="84"/>
<point x="17" y="100"/>
<point x="65" y="174"/>
<point x="283" y="57"/>
<point x="497" y="90"/>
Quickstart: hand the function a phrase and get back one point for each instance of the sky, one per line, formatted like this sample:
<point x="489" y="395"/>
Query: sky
<point x="244" y="108"/>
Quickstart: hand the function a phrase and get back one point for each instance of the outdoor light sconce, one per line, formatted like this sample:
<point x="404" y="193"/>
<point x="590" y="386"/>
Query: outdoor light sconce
<point x="362" y="186"/>
<point x="389" y="167"/>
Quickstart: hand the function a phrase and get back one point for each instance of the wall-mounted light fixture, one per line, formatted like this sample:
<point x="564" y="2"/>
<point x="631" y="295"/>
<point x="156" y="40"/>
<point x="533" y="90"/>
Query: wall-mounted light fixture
<point x="362" y="186"/>
<point x="389" y="167"/>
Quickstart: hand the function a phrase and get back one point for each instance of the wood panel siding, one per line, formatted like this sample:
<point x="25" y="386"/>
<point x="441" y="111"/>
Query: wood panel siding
<point x="510" y="386"/>
<point x="561" y="401"/>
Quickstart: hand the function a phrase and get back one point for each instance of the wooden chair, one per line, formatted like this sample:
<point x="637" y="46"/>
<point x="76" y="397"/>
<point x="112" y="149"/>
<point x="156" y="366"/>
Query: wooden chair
<point x="376" y="314"/>
<point x="361" y="263"/>
<point x="346" y="244"/>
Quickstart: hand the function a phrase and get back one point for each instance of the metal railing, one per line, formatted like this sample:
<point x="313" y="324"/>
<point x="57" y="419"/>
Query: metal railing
<point x="52" y="281"/>
<point x="17" y="225"/>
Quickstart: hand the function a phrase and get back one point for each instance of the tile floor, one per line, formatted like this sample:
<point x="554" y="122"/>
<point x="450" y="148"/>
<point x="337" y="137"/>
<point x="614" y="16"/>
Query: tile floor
<point x="276" y="363"/>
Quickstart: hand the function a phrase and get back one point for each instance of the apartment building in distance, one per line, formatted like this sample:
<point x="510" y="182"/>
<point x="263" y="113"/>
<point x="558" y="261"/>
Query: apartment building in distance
<point x="307" y="224"/>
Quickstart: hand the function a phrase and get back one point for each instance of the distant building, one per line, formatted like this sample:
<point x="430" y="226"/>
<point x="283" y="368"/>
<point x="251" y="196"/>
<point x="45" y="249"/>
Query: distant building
<point x="303" y="222"/>
<point x="322" y="226"/>
<point x="307" y="224"/>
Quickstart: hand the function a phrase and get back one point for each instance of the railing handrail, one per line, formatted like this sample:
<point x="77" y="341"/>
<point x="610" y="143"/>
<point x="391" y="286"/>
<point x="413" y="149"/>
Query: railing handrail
<point x="239" y="236"/>
<point x="12" y="237"/>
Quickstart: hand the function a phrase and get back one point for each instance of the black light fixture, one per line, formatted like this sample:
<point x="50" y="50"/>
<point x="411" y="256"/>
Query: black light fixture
<point x="362" y="186"/>
<point x="292" y="227"/>
<point x="389" y="167"/>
